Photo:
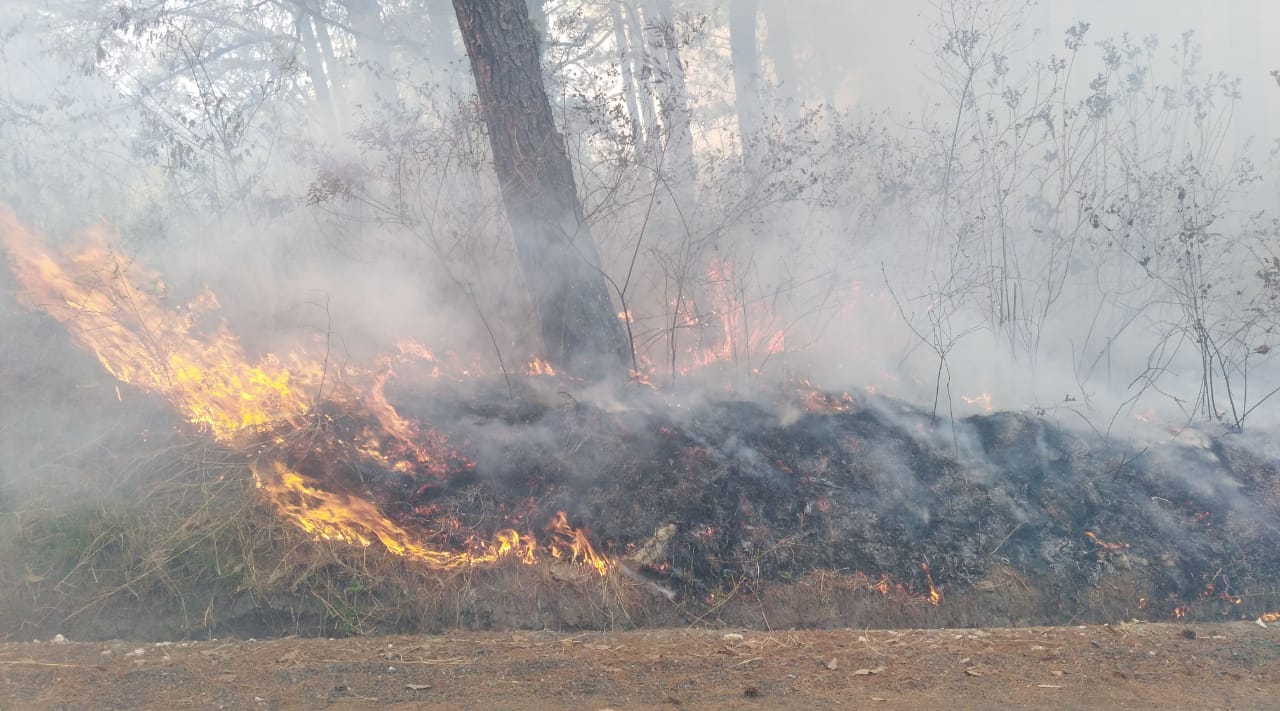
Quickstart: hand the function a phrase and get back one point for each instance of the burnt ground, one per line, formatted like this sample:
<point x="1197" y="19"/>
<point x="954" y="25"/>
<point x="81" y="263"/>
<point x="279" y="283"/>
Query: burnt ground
<point x="705" y="497"/>
<point x="778" y="508"/>
<point x="1135" y="666"/>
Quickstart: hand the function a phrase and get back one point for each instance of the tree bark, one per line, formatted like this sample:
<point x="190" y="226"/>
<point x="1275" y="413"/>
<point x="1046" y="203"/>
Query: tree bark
<point x="745" y="57"/>
<point x="559" y="260"/>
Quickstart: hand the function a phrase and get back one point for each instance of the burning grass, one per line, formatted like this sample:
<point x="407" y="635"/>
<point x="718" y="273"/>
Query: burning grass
<point x="317" y="499"/>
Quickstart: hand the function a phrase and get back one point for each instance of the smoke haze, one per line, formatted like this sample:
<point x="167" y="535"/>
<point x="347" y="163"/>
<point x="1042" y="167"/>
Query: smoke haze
<point x="970" y="205"/>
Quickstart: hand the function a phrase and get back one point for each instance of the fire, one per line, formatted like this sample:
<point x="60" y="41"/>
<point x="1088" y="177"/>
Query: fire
<point x="817" y="401"/>
<point x="189" y="356"/>
<point x="983" y="401"/>
<point x="935" y="597"/>
<point x="537" y="366"/>
<point x="726" y="329"/>
<point x="204" y="373"/>
<point x="1105" y="545"/>
<point x="572" y="543"/>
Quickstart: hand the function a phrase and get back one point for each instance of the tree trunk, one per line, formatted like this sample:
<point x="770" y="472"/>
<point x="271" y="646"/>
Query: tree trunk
<point x="443" y="48"/>
<point x="673" y="98"/>
<point x="625" y="66"/>
<point x="365" y="18"/>
<point x="315" y="68"/>
<point x="340" y="106"/>
<point x="746" y="80"/>
<point x="639" y="57"/>
<point x="778" y="46"/>
<point x="559" y="260"/>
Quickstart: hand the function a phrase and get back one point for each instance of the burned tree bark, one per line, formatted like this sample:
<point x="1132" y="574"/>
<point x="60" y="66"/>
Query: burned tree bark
<point x="557" y="255"/>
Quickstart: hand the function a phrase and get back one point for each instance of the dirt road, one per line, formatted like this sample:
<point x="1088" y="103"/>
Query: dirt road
<point x="1138" y="666"/>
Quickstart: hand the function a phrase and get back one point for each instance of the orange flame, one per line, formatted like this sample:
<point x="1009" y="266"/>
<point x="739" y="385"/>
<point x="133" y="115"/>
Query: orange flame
<point x="572" y="543"/>
<point x="537" y="366"/>
<point x="817" y="401"/>
<point x="205" y="374"/>
<point x="1104" y="544"/>
<point x="935" y="597"/>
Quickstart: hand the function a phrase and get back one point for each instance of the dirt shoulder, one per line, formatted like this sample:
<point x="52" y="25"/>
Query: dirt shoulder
<point x="1203" y="666"/>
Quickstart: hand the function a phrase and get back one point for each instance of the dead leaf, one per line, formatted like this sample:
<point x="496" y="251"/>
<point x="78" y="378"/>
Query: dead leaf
<point x="833" y="663"/>
<point x="972" y="672"/>
<point x="868" y="672"/>
<point x="878" y="698"/>
<point x="1049" y="686"/>
<point x="417" y="687"/>
<point x="32" y="578"/>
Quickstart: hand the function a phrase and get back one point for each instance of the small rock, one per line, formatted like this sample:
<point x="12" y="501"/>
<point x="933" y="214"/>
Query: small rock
<point x="733" y="637"/>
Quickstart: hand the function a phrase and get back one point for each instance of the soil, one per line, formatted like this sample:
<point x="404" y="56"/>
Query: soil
<point x="1137" y="665"/>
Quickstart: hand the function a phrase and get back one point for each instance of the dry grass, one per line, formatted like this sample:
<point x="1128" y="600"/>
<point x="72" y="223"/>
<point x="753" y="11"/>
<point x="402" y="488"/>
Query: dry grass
<point x="180" y="543"/>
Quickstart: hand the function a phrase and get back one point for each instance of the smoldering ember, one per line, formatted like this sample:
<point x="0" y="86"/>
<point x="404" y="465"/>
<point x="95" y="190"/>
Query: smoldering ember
<point x="361" y="317"/>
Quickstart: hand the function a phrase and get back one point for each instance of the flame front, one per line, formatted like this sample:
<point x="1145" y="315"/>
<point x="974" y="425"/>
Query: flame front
<point x="206" y="376"/>
<point x="190" y="357"/>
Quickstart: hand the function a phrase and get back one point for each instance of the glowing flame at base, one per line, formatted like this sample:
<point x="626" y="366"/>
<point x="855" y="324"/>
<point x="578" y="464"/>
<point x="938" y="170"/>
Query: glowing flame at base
<point x="935" y="597"/>
<point x="333" y="516"/>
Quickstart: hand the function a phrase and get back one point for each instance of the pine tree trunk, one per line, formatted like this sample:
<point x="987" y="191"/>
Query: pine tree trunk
<point x="778" y="46"/>
<point x="745" y="57"/>
<point x="561" y="266"/>
<point x="365" y="18"/>
<point x="625" y="70"/>
<point x="673" y="100"/>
